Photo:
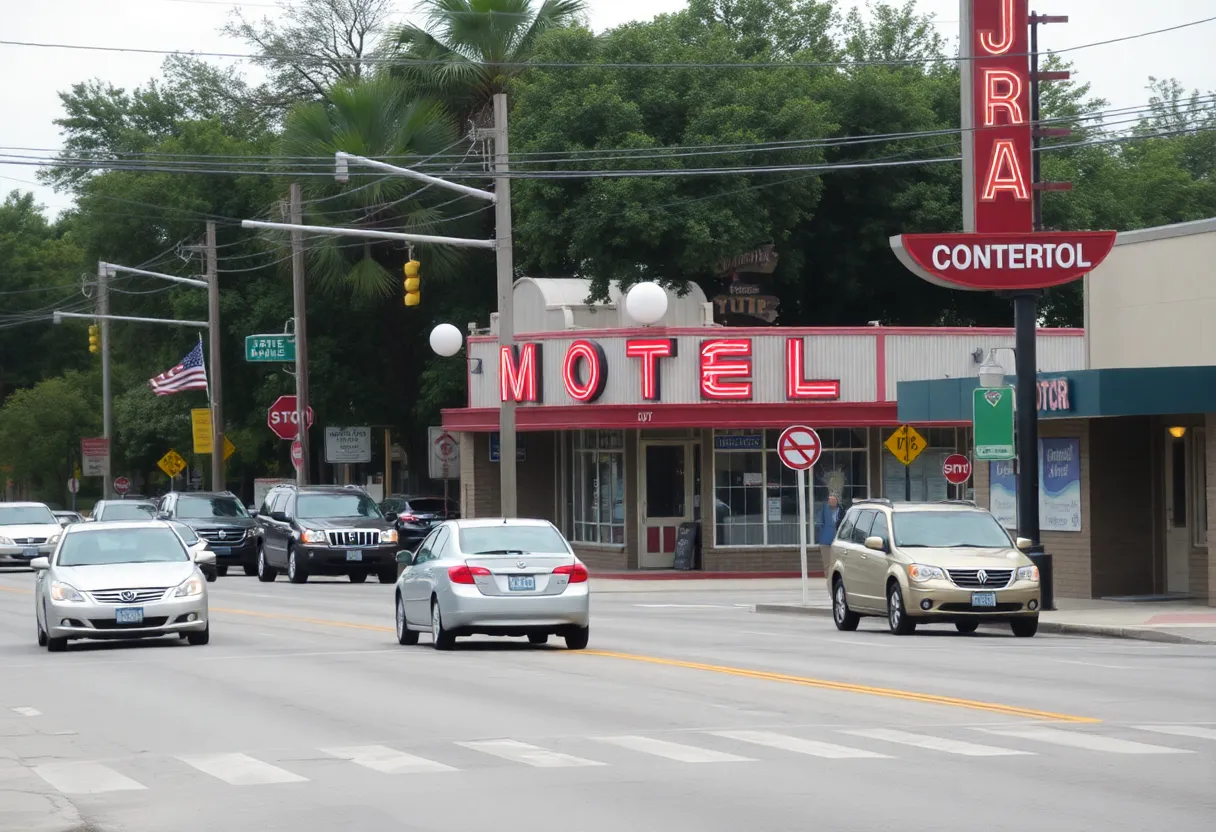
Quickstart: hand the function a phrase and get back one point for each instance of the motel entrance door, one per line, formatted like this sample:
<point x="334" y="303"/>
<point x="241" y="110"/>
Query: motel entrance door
<point x="1178" y="503"/>
<point x="669" y="476"/>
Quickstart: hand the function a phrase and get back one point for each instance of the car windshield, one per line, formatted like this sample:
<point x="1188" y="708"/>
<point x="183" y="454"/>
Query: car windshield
<point x="353" y="504"/>
<point x="205" y="508"/>
<point x="507" y="539"/>
<point x="949" y="529"/>
<point x="102" y="547"/>
<point x="186" y="532"/>
<point x="27" y="516"/>
<point x="429" y="505"/>
<point x="127" y="511"/>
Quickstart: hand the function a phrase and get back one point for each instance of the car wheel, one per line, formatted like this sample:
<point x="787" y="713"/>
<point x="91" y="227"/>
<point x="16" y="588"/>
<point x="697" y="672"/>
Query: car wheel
<point x="295" y="572"/>
<point x="358" y="577"/>
<point x="966" y="626"/>
<point x="222" y="571"/>
<point x="441" y="639"/>
<point x="388" y="576"/>
<point x="845" y="618"/>
<point x="41" y="633"/>
<point x="210" y="575"/>
<point x="199" y="639"/>
<point x="250" y="569"/>
<point x="56" y="645"/>
<point x="900" y="623"/>
<point x="1025" y="627"/>
<point x="576" y="638"/>
<point x="404" y="634"/>
<point x="538" y="638"/>
<point x="266" y="572"/>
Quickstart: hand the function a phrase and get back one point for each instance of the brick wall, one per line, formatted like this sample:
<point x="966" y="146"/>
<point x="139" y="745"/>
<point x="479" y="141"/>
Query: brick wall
<point x="480" y="479"/>
<point x="1125" y="482"/>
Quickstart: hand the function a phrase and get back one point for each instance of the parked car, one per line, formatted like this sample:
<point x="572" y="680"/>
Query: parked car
<point x="928" y="563"/>
<point x="27" y="531"/>
<point x="119" y="580"/>
<point x="499" y="577"/>
<point x="197" y="546"/>
<point x="221" y="519"/>
<point x="67" y="518"/>
<point x="416" y="516"/>
<point x="109" y="511"/>
<point x="325" y="530"/>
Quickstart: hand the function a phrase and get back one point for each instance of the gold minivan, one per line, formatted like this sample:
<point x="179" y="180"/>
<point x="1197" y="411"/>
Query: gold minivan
<point x="929" y="563"/>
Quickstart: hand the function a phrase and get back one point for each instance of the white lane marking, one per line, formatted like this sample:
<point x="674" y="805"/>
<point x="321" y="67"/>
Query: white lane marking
<point x="532" y="755"/>
<point x="688" y="606"/>
<point x="241" y="769"/>
<point x="1078" y="739"/>
<point x="27" y="711"/>
<point x="853" y="642"/>
<point x="85" y="778"/>
<point x="967" y="749"/>
<point x="674" y="750"/>
<point x="799" y="745"/>
<point x="1180" y="730"/>
<point x="1091" y="664"/>
<point x="385" y="759"/>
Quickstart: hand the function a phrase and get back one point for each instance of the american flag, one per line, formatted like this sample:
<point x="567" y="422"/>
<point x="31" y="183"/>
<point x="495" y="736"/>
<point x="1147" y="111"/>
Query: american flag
<point x="190" y="374"/>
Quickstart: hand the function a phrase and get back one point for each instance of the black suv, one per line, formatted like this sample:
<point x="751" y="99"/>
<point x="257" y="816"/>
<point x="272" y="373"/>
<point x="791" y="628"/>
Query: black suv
<point x="220" y="518"/>
<point x="416" y="516"/>
<point x="325" y="530"/>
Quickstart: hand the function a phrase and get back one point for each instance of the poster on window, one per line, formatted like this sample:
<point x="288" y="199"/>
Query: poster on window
<point x="1003" y="493"/>
<point x="1059" y="487"/>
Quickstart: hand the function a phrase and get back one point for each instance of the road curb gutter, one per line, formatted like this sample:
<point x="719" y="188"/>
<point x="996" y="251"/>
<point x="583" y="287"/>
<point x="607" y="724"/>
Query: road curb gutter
<point x="793" y="609"/>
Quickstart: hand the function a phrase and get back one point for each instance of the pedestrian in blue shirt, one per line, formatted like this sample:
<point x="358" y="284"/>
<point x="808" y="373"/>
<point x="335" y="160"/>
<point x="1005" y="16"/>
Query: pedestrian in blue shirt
<point x="827" y="520"/>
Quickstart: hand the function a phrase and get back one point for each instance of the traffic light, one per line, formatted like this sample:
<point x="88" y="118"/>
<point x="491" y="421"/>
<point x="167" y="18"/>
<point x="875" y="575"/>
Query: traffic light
<point x="94" y="338"/>
<point x="412" y="283"/>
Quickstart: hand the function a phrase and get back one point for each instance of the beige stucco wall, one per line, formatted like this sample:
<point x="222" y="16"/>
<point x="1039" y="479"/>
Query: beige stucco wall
<point x="1141" y="313"/>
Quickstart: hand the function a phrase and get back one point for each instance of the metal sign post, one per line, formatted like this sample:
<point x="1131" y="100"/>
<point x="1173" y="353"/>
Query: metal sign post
<point x="799" y="448"/>
<point x="801" y="480"/>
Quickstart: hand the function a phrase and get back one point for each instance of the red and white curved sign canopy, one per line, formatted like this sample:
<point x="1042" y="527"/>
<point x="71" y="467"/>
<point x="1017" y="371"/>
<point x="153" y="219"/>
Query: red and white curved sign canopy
<point x="1002" y="262"/>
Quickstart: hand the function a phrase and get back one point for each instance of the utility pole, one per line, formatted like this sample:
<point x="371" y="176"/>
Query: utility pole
<point x="217" y="399"/>
<point x="505" y="265"/>
<point x="301" y="331"/>
<point x="107" y="416"/>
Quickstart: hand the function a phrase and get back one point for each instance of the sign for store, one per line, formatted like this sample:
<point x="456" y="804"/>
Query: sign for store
<point x="348" y="445"/>
<point x="95" y="456"/>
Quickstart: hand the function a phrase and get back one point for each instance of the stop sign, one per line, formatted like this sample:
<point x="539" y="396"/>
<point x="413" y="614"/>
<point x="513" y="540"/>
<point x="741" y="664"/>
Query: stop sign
<point x="122" y="485"/>
<point x="282" y="417"/>
<point x="297" y="454"/>
<point x="957" y="469"/>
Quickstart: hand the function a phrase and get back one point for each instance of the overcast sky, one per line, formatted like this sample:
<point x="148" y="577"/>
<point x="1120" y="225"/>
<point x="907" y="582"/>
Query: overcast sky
<point x="32" y="77"/>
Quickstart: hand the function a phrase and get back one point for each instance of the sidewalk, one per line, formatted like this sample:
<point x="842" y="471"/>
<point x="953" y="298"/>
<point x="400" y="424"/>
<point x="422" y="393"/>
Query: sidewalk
<point x="1176" y="622"/>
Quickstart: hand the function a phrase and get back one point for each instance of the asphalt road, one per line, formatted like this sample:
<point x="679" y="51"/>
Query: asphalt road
<point x="688" y="713"/>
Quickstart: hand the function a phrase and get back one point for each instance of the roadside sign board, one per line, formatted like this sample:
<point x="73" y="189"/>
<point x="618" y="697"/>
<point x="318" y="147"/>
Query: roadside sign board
<point x="279" y="349"/>
<point x="297" y="454"/>
<point x="229" y="448"/>
<point x="73" y="485"/>
<point x="799" y="447"/>
<point x="348" y="445"/>
<point x="445" y="454"/>
<point x="200" y="427"/>
<point x="906" y="444"/>
<point x="992" y="422"/>
<point x="957" y="469"/>
<point x="95" y="456"/>
<point x="281" y="417"/>
<point x="171" y="463"/>
<point x="121" y="485"/>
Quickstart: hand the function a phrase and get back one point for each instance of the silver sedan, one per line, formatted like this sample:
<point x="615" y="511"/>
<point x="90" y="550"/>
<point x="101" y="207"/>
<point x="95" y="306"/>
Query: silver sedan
<point x="120" y="580"/>
<point x="493" y="577"/>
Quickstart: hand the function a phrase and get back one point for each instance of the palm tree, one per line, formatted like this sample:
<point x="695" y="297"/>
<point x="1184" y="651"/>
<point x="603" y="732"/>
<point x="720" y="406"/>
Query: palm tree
<point x="470" y="49"/>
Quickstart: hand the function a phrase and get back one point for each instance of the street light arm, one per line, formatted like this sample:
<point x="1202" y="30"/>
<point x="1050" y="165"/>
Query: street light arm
<point x="56" y="316"/>
<point x="458" y="242"/>
<point x="341" y="173"/>
<point x="130" y="270"/>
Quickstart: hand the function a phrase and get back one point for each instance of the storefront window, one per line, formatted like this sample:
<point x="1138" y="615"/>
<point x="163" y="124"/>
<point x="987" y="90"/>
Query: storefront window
<point x="925" y="473"/>
<point x="756" y="502"/>
<point x="598" y="477"/>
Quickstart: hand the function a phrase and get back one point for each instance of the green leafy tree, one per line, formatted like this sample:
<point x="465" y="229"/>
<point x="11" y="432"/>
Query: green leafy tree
<point x="41" y="428"/>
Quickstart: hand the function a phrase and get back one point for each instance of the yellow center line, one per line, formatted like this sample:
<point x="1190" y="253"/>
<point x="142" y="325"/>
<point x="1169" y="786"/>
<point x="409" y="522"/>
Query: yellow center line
<point x="318" y="621"/>
<point x="16" y="591"/>
<point x="891" y="693"/>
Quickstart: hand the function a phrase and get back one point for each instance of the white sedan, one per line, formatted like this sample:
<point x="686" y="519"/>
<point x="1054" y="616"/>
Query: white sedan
<point x="120" y="581"/>
<point x="493" y="577"/>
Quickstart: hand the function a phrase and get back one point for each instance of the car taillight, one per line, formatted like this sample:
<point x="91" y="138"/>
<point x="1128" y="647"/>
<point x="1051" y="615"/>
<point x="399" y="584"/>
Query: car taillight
<point x="408" y="518"/>
<point x="576" y="571"/>
<point x="465" y="574"/>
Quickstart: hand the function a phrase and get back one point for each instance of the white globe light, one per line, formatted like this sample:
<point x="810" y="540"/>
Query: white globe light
<point x="446" y="340"/>
<point x="646" y="303"/>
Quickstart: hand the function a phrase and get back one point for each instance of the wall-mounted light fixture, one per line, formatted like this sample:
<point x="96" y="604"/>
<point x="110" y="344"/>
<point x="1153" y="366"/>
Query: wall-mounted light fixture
<point x="1177" y="431"/>
<point x="475" y="366"/>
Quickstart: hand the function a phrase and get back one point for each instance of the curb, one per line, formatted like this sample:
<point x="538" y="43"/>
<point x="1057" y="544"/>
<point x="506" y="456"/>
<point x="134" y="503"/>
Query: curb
<point x="793" y="609"/>
<point x="697" y="575"/>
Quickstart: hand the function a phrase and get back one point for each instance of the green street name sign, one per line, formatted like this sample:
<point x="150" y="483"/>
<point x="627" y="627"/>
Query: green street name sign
<point x="280" y="348"/>
<point x="992" y="422"/>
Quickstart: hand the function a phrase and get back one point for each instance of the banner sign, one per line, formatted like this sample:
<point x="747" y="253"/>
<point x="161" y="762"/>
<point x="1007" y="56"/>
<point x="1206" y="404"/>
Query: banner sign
<point x="1059" y="487"/>
<point x="1001" y="262"/>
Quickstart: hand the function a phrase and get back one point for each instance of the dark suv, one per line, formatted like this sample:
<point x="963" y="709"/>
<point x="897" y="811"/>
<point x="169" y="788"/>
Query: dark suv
<point x="220" y="518"/>
<point x="416" y="516"/>
<point x="325" y="530"/>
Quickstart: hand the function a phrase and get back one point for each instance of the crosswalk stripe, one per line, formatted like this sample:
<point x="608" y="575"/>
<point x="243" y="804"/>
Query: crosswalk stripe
<point x="85" y="778"/>
<point x="532" y="755"/>
<point x="799" y="745"/>
<point x="674" y="750"/>
<point x="241" y="769"/>
<point x="385" y="759"/>
<point x="1079" y="739"/>
<point x="967" y="749"/>
<point x="1196" y="731"/>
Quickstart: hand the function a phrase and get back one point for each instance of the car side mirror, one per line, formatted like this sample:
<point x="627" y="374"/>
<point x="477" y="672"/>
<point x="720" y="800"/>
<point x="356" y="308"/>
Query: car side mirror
<point x="876" y="543"/>
<point x="406" y="558"/>
<point x="162" y="515"/>
<point x="253" y="512"/>
<point x="205" y="558"/>
<point x="279" y="516"/>
<point x="1024" y="543"/>
<point x="391" y="517"/>
<point x="38" y="564"/>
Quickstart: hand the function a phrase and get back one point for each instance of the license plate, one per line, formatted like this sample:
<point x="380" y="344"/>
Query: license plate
<point x="521" y="583"/>
<point x="356" y="555"/>
<point x="129" y="615"/>
<point x="983" y="599"/>
<point x="222" y="550"/>
<point x="29" y="552"/>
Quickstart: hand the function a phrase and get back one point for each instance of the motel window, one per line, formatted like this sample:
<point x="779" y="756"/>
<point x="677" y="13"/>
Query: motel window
<point x="598" y="477"/>
<point x="1199" y="493"/>
<point x="925" y="472"/>
<point x="756" y="501"/>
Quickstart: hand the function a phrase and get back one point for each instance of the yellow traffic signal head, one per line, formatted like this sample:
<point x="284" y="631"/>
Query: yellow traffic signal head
<point x="94" y="339"/>
<point x="413" y="283"/>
